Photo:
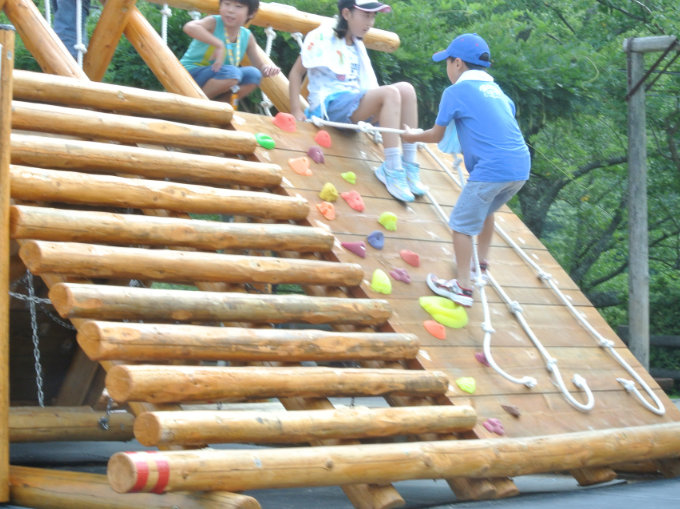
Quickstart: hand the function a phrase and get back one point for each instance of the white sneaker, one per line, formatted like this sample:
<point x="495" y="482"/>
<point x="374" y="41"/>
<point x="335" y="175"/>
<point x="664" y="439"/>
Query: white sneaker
<point x="450" y="289"/>
<point x="395" y="182"/>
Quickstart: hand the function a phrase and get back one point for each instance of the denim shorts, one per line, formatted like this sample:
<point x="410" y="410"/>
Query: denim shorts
<point x="339" y="106"/>
<point x="478" y="201"/>
<point x="244" y="75"/>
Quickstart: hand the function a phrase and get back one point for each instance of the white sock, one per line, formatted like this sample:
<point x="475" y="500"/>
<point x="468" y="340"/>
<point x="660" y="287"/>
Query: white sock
<point x="409" y="150"/>
<point x="393" y="158"/>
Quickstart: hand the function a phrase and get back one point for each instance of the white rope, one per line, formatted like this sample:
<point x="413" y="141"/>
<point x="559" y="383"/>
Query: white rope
<point x="487" y="327"/>
<point x="79" y="47"/>
<point x="298" y="37"/>
<point x="266" y="104"/>
<point x="166" y="13"/>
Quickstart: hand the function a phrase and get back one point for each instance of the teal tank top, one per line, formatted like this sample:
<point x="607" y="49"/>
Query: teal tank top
<point x="198" y="54"/>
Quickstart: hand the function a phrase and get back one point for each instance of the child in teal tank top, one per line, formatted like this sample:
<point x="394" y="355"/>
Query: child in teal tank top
<point x="218" y="46"/>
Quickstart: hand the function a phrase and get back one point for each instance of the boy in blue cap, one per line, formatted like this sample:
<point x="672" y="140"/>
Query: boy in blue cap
<point x="495" y="153"/>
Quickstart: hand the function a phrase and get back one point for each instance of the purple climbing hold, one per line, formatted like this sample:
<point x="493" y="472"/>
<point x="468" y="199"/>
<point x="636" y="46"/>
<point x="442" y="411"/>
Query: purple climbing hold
<point x="481" y="358"/>
<point x="316" y="154"/>
<point x="358" y="248"/>
<point x="376" y="239"/>
<point x="494" y="425"/>
<point x="400" y="275"/>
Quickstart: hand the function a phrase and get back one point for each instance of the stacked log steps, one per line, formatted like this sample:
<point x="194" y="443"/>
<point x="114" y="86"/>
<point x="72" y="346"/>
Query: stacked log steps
<point x="95" y="209"/>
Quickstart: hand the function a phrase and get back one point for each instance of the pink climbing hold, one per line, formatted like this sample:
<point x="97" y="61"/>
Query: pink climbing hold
<point x="323" y="138"/>
<point x="481" y="358"/>
<point x="400" y="275"/>
<point x="316" y="155"/>
<point x="354" y="200"/>
<point x="358" y="248"/>
<point x="285" y="121"/>
<point x="494" y="425"/>
<point x="410" y="257"/>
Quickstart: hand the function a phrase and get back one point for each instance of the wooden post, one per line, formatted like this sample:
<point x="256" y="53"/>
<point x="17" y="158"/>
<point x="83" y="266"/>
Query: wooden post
<point x="638" y="237"/>
<point x="240" y="470"/>
<point x="6" y="69"/>
<point x="105" y="38"/>
<point x="41" y="41"/>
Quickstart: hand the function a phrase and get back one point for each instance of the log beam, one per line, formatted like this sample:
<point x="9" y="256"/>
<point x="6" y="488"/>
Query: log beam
<point x="111" y="262"/>
<point x="209" y="427"/>
<point x="95" y="157"/>
<point x="127" y="303"/>
<point x="49" y="424"/>
<point x="37" y="184"/>
<point x="167" y="384"/>
<point x="65" y="91"/>
<point x="374" y="463"/>
<point x="93" y="124"/>
<point x="27" y="222"/>
<point x="62" y="489"/>
<point x="155" y="342"/>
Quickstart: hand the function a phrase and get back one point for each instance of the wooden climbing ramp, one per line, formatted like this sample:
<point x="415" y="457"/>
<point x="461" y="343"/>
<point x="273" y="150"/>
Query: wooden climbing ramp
<point x="180" y="270"/>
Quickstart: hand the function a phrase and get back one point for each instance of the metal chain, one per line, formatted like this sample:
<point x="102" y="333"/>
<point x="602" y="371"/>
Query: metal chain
<point x="104" y="420"/>
<point x="36" y="339"/>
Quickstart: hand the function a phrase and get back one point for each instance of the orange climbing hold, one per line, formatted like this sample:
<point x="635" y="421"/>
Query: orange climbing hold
<point x="300" y="165"/>
<point x="435" y="328"/>
<point x="323" y="138"/>
<point x="285" y="121"/>
<point x="327" y="210"/>
<point x="410" y="257"/>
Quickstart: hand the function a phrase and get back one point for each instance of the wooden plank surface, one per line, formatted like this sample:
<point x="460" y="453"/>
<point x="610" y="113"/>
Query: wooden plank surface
<point x="544" y="409"/>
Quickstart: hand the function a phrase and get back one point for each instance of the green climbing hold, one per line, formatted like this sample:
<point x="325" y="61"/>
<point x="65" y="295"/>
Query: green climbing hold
<point x="350" y="177"/>
<point x="389" y="221"/>
<point x="467" y="383"/>
<point x="381" y="282"/>
<point x="445" y="311"/>
<point x="265" y="141"/>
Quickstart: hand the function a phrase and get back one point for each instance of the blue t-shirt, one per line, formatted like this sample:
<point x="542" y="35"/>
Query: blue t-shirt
<point x="493" y="147"/>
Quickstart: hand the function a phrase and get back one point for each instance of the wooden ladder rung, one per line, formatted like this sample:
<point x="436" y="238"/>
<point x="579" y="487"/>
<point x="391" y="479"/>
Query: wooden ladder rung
<point x="171" y="265"/>
<point x="103" y="302"/>
<point x="197" y="427"/>
<point x="177" y="384"/>
<point x="42" y="223"/>
<point x="156" y="341"/>
<point x="37" y="184"/>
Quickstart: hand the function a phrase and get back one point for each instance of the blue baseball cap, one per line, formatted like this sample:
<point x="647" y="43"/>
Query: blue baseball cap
<point x="468" y="47"/>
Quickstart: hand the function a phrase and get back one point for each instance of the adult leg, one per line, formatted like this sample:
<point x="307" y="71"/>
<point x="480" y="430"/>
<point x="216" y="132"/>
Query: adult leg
<point x="65" y="23"/>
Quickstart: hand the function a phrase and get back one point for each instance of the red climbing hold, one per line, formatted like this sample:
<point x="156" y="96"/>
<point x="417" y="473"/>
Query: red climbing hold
<point x="354" y="200"/>
<point x="323" y="138"/>
<point x="410" y="257"/>
<point x="285" y="121"/>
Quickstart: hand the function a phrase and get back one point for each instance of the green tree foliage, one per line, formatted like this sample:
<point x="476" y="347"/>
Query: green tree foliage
<point x="564" y="66"/>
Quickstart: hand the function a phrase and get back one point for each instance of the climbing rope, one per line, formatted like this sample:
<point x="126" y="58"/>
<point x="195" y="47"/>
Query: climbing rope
<point x="166" y="13"/>
<point x="266" y="105"/>
<point x="551" y="364"/>
<point x="79" y="47"/>
<point x="515" y="308"/>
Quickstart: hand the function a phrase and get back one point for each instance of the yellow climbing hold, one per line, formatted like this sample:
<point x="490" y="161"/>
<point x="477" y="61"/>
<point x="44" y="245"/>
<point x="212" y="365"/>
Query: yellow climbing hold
<point x="381" y="282"/>
<point x="389" y="221"/>
<point x="350" y="177"/>
<point x="328" y="192"/>
<point x="467" y="383"/>
<point x="445" y="311"/>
